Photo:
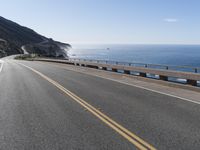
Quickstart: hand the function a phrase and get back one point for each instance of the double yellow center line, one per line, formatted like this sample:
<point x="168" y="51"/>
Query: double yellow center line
<point x="134" y="139"/>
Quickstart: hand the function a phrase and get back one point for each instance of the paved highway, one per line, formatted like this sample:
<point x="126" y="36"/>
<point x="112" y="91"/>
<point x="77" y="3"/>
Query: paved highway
<point x="44" y="106"/>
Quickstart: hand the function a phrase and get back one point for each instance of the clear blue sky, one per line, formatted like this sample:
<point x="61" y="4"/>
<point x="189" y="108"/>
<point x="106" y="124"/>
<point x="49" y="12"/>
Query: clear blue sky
<point x="109" y="21"/>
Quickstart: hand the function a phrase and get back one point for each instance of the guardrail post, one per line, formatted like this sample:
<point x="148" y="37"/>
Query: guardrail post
<point x="114" y="69"/>
<point x="127" y="72"/>
<point x="165" y="78"/>
<point x="104" y="68"/>
<point x="192" y="82"/>
<point x="92" y="66"/>
<point x="142" y="74"/>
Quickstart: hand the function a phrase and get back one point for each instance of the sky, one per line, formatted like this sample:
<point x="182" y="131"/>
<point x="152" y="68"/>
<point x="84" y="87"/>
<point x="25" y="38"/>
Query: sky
<point x="109" y="21"/>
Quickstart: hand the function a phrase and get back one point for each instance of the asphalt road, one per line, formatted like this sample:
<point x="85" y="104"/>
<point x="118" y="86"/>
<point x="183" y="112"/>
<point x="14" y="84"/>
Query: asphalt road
<point x="35" y="114"/>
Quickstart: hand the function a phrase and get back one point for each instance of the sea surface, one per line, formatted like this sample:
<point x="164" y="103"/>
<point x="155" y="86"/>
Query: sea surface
<point x="181" y="55"/>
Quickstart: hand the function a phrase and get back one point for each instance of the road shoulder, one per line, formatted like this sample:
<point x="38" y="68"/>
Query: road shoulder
<point x="183" y="92"/>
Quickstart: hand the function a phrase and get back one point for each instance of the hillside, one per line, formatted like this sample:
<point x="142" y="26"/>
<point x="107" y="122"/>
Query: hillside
<point x="14" y="36"/>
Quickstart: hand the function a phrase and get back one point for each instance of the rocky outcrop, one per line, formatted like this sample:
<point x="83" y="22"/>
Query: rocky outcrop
<point x="3" y="47"/>
<point x="48" y="48"/>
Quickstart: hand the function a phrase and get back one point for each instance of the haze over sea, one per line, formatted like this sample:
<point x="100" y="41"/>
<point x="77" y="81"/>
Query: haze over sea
<point x="181" y="55"/>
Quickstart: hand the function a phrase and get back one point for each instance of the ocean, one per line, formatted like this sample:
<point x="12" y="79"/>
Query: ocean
<point x="180" y="55"/>
<point x="170" y="55"/>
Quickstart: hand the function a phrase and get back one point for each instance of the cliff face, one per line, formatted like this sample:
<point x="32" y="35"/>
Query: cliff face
<point x="14" y="36"/>
<point x="3" y="47"/>
<point x="48" y="48"/>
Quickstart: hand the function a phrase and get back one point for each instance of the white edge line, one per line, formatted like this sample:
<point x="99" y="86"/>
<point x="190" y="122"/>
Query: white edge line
<point x="141" y="87"/>
<point x="1" y="62"/>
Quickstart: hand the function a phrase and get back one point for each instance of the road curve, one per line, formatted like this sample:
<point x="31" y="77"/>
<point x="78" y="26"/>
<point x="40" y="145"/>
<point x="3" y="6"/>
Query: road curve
<point x="35" y="114"/>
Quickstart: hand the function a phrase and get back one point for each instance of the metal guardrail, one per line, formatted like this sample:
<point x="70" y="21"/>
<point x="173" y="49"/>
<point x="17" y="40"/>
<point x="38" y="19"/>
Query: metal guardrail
<point x="164" y="72"/>
<point x="145" y="65"/>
